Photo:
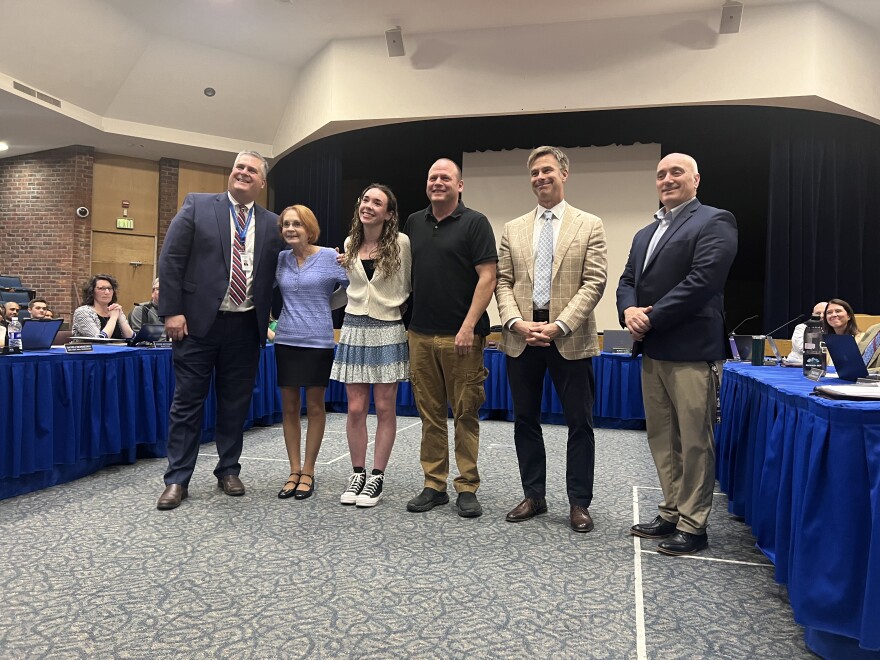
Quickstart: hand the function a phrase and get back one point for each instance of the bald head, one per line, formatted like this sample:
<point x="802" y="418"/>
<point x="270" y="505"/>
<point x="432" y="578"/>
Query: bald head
<point x="677" y="180"/>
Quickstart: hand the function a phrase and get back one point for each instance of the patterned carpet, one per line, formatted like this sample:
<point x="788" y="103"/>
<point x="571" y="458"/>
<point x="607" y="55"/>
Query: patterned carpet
<point x="92" y="569"/>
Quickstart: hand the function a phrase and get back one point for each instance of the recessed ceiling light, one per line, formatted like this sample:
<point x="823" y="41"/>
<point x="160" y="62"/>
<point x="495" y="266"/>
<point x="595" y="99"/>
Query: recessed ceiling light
<point x="210" y="91"/>
<point x="4" y="146"/>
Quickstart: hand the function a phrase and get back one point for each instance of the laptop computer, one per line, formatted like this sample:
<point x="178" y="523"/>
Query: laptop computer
<point x="846" y="356"/>
<point x="38" y="334"/>
<point x="617" y="341"/>
<point x="148" y="333"/>
<point x="741" y="347"/>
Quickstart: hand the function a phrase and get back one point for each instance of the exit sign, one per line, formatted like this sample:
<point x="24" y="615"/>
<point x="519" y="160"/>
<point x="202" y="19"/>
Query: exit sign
<point x="125" y="223"/>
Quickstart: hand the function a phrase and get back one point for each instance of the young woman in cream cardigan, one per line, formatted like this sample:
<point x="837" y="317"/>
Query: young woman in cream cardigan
<point x="372" y="346"/>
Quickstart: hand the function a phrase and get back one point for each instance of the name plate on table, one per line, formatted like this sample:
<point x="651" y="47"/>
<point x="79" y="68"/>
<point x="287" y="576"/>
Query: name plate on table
<point x="77" y="348"/>
<point x="815" y="373"/>
<point x="162" y="344"/>
<point x="621" y="351"/>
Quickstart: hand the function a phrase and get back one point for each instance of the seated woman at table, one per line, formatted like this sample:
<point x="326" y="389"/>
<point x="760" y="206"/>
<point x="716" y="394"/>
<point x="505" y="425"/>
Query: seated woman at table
<point x="372" y="343"/>
<point x="100" y="315"/>
<point x="311" y="284"/>
<point x="839" y="319"/>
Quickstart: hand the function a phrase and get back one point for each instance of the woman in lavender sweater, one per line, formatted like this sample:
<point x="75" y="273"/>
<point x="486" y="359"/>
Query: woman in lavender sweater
<point x="311" y="284"/>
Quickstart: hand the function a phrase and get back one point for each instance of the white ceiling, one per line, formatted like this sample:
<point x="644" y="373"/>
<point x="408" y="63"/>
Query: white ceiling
<point x="124" y="66"/>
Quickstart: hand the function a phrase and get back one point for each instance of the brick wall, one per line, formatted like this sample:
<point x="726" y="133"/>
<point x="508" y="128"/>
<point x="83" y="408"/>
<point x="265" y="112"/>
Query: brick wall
<point x="169" y="175"/>
<point x="41" y="238"/>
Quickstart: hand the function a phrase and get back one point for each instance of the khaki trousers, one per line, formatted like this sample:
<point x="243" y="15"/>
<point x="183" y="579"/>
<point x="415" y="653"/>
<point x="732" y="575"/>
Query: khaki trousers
<point x="680" y="400"/>
<point x="439" y="375"/>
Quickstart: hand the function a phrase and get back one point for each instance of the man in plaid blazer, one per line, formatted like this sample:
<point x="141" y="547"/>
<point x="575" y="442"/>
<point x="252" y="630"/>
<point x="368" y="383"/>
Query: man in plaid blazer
<point x="551" y="274"/>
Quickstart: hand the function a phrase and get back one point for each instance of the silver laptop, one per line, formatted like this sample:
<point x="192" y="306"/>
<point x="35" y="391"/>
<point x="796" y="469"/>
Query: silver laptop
<point x="617" y="341"/>
<point x="741" y="347"/>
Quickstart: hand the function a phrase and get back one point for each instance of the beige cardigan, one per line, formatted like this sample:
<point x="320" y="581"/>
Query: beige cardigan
<point x="380" y="298"/>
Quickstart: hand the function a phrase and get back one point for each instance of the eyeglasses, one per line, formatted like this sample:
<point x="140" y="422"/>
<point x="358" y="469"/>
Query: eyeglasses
<point x="103" y="288"/>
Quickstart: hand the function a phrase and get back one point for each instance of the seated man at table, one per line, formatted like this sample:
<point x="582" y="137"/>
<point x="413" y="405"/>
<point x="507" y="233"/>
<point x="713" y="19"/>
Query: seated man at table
<point x="11" y="309"/>
<point x="797" y="337"/>
<point x="38" y="308"/>
<point x="869" y="345"/>
<point x="146" y="312"/>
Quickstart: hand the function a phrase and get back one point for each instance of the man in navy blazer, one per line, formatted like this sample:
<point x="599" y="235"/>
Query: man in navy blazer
<point x="671" y="299"/>
<point x="216" y="320"/>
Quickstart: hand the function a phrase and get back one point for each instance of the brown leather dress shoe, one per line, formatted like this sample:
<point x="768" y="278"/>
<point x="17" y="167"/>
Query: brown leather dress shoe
<point x="580" y="519"/>
<point x="231" y="485"/>
<point x="528" y="508"/>
<point x="171" y="497"/>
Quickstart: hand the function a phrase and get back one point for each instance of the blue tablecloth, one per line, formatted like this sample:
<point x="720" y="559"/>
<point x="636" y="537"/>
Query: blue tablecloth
<point x="805" y="474"/>
<point x="617" y="404"/>
<point x="68" y="415"/>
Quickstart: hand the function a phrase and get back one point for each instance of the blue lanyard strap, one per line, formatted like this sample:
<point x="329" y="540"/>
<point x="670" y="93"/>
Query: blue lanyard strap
<point x="241" y="231"/>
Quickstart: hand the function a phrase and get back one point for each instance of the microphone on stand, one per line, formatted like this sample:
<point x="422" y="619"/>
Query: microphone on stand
<point x="772" y="342"/>
<point x="796" y="318"/>
<point x="740" y="324"/>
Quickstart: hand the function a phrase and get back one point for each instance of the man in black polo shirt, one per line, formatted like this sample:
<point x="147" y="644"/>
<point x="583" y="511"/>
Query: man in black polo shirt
<point x="453" y="276"/>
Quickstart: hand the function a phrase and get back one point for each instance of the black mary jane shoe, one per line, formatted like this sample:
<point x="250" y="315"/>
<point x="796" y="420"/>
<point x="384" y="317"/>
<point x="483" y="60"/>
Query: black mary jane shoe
<point x="304" y="494"/>
<point x="285" y="492"/>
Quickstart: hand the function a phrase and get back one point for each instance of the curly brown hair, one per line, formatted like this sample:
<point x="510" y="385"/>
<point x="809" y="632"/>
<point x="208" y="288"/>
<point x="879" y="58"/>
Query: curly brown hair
<point x="388" y="252"/>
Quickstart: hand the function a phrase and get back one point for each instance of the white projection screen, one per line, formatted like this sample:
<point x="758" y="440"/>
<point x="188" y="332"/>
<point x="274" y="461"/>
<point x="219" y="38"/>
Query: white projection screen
<point x="614" y="182"/>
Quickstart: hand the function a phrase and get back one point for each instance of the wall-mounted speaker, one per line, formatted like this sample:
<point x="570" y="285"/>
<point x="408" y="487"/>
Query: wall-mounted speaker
<point x="394" y="40"/>
<point x="731" y="17"/>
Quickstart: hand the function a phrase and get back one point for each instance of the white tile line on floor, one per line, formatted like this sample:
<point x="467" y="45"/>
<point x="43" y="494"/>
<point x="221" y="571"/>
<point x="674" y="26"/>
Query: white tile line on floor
<point x="638" y="551"/>
<point x="641" y="649"/>
<point x="330" y="462"/>
<point x="716" y="559"/>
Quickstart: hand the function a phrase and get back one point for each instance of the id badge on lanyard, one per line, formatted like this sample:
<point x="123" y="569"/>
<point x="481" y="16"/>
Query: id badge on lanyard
<point x="247" y="264"/>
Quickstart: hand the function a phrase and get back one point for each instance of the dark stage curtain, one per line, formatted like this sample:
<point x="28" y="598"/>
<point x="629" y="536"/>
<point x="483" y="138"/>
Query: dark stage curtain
<point x="312" y="176"/>
<point x="822" y="231"/>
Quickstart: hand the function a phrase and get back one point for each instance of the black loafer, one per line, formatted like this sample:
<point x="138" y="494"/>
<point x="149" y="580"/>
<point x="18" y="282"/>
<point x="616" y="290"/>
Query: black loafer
<point x="468" y="506"/>
<point x="683" y="543"/>
<point x="427" y="500"/>
<point x="656" y="529"/>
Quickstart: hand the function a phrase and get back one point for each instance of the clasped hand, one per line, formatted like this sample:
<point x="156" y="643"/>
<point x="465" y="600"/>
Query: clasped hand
<point x="637" y="321"/>
<point x="537" y="333"/>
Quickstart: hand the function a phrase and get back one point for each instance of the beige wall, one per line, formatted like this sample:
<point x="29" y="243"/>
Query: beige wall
<point x="804" y="55"/>
<point x="615" y="182"/>
<point x="193" y="177"/>
<point x="127" y="254"/>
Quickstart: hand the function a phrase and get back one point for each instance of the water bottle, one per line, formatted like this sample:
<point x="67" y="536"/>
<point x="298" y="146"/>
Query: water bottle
<point x="814" y="355"/>
<point x="13" y="332"/>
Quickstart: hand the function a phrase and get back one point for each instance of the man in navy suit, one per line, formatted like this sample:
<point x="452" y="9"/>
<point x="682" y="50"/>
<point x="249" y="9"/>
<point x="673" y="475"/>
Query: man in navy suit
<point x="217" y="267"/>
<point x="671" y="299"/>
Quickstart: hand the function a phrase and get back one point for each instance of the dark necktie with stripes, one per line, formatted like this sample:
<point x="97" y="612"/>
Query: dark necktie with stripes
<point x="238" y="283"/>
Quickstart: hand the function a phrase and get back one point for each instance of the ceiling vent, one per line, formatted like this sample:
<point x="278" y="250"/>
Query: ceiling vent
<point x="24" y="89"/>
